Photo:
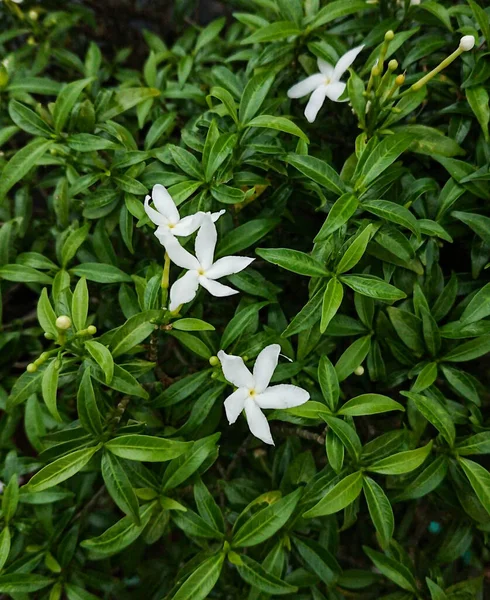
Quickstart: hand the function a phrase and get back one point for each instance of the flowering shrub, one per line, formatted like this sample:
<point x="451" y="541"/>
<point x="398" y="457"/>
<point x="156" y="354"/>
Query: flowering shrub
<point x="245" y="304"/>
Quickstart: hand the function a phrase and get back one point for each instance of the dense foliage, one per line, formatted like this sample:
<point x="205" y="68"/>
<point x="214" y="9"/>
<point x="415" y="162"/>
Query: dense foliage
<point x="370" y="229"/>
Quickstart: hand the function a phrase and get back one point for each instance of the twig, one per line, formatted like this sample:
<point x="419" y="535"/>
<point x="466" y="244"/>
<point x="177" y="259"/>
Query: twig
<point x="302" y="433"/>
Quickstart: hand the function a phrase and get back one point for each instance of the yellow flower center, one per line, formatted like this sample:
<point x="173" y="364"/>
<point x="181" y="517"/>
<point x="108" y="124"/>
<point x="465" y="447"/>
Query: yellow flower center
<point x="252" y="393"/>
<point x="201" y="271"/>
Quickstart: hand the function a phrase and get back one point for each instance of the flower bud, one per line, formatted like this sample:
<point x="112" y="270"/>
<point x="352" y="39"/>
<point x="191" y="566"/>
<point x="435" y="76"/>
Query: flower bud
<point x="214" y="361"/>
<point x="389" y="35"/>
<point x="31" y="41"/>
<point x="359" y="371"/>
<point x="400" y="80"/>
<point x="33" y="15"/>
<point x="393" y="65"/>
<point x="467" y="43"/>
<point x="91" y="329"/>
<point x="49" y="336"/>
<point x="414" y="2"/>
<point x="31" y="368"/>
<point x="63" y="322"/>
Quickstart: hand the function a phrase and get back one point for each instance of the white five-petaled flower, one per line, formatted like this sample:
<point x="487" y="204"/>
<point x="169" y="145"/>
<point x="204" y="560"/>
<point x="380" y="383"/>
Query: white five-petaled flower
<point x="254" y="393"/>
<point x="167" y="217"/>
<point x="325" y="84"/>
<point x="202" y="270"/>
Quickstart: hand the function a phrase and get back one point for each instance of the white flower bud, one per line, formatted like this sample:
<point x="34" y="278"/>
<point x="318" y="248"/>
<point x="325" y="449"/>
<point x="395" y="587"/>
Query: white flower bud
<point x="467" y="43"/>
<point x="63" y="322"/>
<point x="414" y="2"/>
<point x="359" y="371"/>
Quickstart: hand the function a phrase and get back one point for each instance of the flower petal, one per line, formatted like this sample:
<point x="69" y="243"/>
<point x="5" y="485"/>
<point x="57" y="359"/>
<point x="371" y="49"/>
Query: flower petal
<point x="325" y="68"/>
<point x="164" y="203"/>
<point x="345" y="62"/>
<point x="187" y="225"/>
<point x="235" y="403"/>
<point x="178" y="255"/>
<point x="282" y="396"/>
<point x="334" y="90"/>
<point x="153" y="215"/>
<point x="315" y="103"/>
<point x="227" y="266"/>
<point x="305" y="87"/>
<point x="265" y="365"/>
<point x="184" y="290"/>
<point x="235" y="371"/>
<point x="215" y="216"/>
<point x="257" y="422"/>
<point x="215" y="288"/>
<point x="206" y="242"/>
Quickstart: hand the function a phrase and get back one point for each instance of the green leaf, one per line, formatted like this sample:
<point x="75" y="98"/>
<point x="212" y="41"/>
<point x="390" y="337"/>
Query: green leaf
<point x="244" y="236"/>
<point x="49" y="387"/>
<point x="346" y="433"/>
<point x="86" y="142"/>
<point x="429" y="140"/>
<point x="46" y="315"/>
<point x="426" y="481"/>
<point x="10" y="498"/>
<point x="353" y="357"/>
<point x="102" y="357"/>
<point x="338" y="497"/>
<point x="329" y="383"/>
<point x="317" y="558"/>
<point x="220" y="151"/>
<point x="336" y="10"/>
<point x="28" y="120"/>
<point x="122" y="381"/>
<point x="88" y="411"/>
<point x="136" y="329"/>
<point x="146" y="447"/>
<point x="61" y="469"/>
<point x="475" y="444"/>
<point x="207" y="507"/>
<point x="26" y="385"/>
<point x="194" y="525"/>
<point x="127" y="98"/>
<point x="193" y="343"/>
<point x="119" y="486"/>
<point x="266" y="522"/>
<point x="191" y="324"/>
<point x="202" y="580"/>
<point x="240" y="323"/>
<point x="469" y="350"/>
<point x="321" y="172"/>
<point x="72" y="244"/>
<point x="402" y="462"/>
<point x="101" y="273"/>
<point x="393" y="212"/>
<point x="119" y="536"/>
<point x="332" y="299"/>
<point x="380" y="510"/>
<point x="373" y="287"/>
<point x="23" y="583"/>
<point x="209" y="33"/>
<point x="339" y="214"/>
<point x="280" y="124"/>
<point x="436" y="592"/>
<point x="394" y="570"/>
<point x="279" y="30"/>
<point x="479" y="479"/>
<point x="66" y="101"/>
<point x="4" y="546"/>
<point x="21" y="163"/>
<point x="478" y="223"/>
<point x="189" y="462"/>
<point x="254" y="95"/>
<point x="79" y="304"/>
<point x="355" y="251"/>
<point x="479" y="306"/>
<point x="369" y="404"/>
<point x="293" y="260"/>
<point x="381" y="157"/>
<point x="255" y="575"/>
<point x="24" y="274"/>
<point x="481" y="18"/>
<point x="436" y="414"/>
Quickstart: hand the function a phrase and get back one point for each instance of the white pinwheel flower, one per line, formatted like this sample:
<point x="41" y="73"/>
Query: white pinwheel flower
<point x="202" y="270"/>
<point x="254" y="393"/>
<point x="325" y="84"/>
<point x="167" y="217"/>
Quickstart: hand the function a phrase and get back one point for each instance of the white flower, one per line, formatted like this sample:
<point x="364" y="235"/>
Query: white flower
<point x="325" y="84"/>
<point x="467" y="43"/>
<point x="254" y="392"/>
<point x="201" y="270"/>
<point x="167" y="217"/>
